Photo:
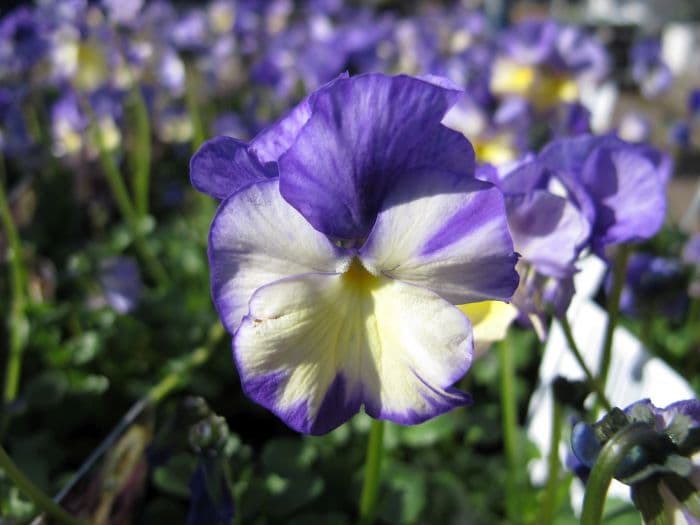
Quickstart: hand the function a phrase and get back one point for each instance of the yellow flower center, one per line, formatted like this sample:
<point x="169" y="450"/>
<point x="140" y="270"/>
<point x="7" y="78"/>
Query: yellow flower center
<point x="358" y="278"/>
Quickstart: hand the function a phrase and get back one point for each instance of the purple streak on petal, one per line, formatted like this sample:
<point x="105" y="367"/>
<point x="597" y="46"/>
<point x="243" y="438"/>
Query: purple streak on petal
<point x="442" y="401"/>
<point x="465" y="222"/>
<point x="263" y="389"/>
<point x="338" y="405"/>
<point x="223" y="165"/>
<point x="448" y="234"/>
<point x="366" y="134"/>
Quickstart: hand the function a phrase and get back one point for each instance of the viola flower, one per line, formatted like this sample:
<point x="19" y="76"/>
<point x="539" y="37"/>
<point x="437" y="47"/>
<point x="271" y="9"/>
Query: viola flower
<point x="549" y="232"/>
<point x="544" y="62"/>
<point x="22" y="41"/>
<point x="338" y="278"/>
<point x="663" y="478"/>
<point x="653" y="284"/>
<point x="619" y="187"/>
<point x="649" y="70"/>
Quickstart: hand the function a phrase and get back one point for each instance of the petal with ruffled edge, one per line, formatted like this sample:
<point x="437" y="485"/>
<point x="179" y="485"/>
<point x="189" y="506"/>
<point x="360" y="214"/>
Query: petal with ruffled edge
<point x="257" y="238"/>
<point x="446" y="233"/>
<point x="629" y="194"/>
<point x="273" y="141"/>
<point x="223" y="165"/>
<point x="366" y="135"/>
<point x="314" y="348"/>
<point x="548" y="231"/>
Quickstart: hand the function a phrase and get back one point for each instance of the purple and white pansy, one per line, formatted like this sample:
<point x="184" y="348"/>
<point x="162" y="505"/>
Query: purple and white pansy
<point x="347" y="233"/>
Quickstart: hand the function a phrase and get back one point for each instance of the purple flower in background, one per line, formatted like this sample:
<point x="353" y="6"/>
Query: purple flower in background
<point x="649" y="70"/>
<point x="619" y="187"/>
<point x="123" y="11"/>
<point x="189" y="32"/>
<point x="549" y="232"/>
<point x="121" y="283"/>
<point x="338" y="279"/>
<point x="23" y="41"/>
<point x="14" y="135"/>
<point x="663" y="479"/>
<point x="652" y="285"/>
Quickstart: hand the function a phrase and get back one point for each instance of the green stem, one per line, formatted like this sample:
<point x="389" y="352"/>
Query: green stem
<point x="126" y="208"/>
<point x="694" y="313"/>
<point x="192" y="103"/>
<point x="176" y="378"/>
<point x="33" y="492"/>
<point x="613" y="313"/>
<point x="551" y="488"/>
<point x="509" y="421"/>
<point x="373" y="466"/>
<point x="141" y="151"/>
<point x="592" y="381"/>
<point x="16" y="322"/>
<point x="605" y="466"/>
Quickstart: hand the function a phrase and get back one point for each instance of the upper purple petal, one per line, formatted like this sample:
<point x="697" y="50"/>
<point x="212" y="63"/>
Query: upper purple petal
<point x="364" y="136"/>
<point x="223" y="165"/>
<point x="272" y="142"/>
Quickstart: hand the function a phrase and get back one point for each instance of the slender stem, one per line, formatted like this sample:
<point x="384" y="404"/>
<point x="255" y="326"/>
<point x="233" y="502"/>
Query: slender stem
<point x="551" y="488"/>
<point x="33" y="492"/>
<point x="126" y="208"/>
<point x="141" y="151"/>
<point x="176" y="378"/>
<point x="373" y="466"/>
<point x="192" y="102"/>
<point x="605" y="466"/>
<point x="592" y="381"/>
<point x="694" y="313"/>
<point x="509" y="422"/>
<point x="16" y="322"/>
<point x="613" y="313"/>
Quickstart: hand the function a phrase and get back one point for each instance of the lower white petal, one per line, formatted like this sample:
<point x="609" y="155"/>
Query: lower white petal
<point x="314" y="348"/>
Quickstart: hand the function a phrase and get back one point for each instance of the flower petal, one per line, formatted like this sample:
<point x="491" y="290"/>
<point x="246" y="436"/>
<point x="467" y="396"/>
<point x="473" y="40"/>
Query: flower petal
<point x="629" y="194"/>
<point x="223" y="165"/>
<point x="490" y="319"/>
<point x="366" y="134"/>
<point x="548" y="231"/>
<point x="314" y="348"/>
<point x="446" y="233"/>
<point x="257" y="238"/>
<point x="273" y="141"/>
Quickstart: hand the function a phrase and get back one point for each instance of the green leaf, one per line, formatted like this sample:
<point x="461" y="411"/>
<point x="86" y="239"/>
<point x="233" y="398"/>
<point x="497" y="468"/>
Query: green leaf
<point x="406" y="496"/>
<point x="290" y="494"/>
<point x="173" y="478"/>
<point x="428" y="433"/>
<point x="288" y="457"/>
